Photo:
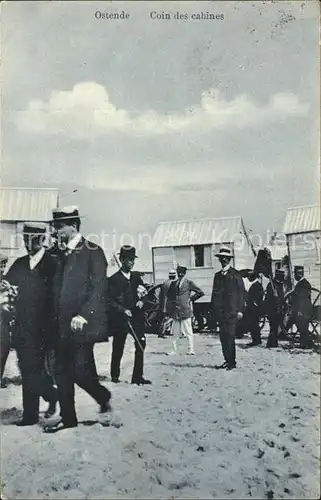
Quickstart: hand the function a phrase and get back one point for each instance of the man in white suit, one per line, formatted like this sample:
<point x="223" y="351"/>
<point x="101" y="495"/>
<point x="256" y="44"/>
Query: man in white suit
<point x="180" y="296"/>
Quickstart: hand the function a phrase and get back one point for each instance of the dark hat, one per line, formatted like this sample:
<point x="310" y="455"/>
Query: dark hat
<point x="298" y="268"/>
<point x="65" y="213"/>
<point x="224" y="252"/>
<point x="127" y="251"/>
<point x="280" y="272"/>
<point x="34" y="228"/>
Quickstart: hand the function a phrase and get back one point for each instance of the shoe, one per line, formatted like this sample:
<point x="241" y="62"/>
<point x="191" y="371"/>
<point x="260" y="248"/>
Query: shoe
<point x="51" y="410"/>
<point x="190" y="353"/>
<point x="141" y="381"/>
<point x="60" y="426"/>
<point x="3" y="384"/>
<point x="105" y="407"/>
<point x="115" y="380"/>
<point x="25" y="423"/>
<point x="269" y="346"/>
<point x="220" y="367"/>
<point x="253" y="344"/>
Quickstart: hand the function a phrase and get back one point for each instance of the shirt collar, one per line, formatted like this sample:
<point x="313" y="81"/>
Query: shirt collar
<point x="127" y="275"/>
<point x="36" y="258"/>
<point x="74" y="242"/>
<point x="226" y="268"/>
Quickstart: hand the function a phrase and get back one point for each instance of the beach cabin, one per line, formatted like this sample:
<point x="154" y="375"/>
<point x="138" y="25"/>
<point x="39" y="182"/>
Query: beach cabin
<point x="302" y="228"/>
<point x="19" y="205"/>
<point x="194" y="243"/>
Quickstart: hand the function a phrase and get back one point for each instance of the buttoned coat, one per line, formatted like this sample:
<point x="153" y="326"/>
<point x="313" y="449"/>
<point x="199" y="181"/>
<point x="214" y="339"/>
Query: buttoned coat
<point x="80" y="288"/>
<point x="180" y="298"/>
<point x="228" y="294"/>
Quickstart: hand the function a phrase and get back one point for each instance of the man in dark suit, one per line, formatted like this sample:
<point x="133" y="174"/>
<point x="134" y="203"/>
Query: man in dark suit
<point x="31" y="334"/>
<point x="181" y="294"/>
<point x="79" y="296"/>
<point x="228" y="304"/>
<point x="125" y="293"/>
<point x="301" y="305"/>
<point x="274" y="307"/>
<point x="253" y="309"/>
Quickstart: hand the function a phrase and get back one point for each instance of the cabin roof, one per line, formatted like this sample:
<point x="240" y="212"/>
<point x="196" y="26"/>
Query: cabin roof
<point x="278" y="251"/>
<point x="27" y="204"/>
<point x="198" y="232"/>
<point x="302" y="219"/>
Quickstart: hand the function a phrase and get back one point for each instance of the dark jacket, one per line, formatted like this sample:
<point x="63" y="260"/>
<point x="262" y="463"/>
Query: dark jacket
<point x="301" y="298"/>
<point x="80" y="287"/>
<point x="33" y="307"/>
<point x="274" y="303"/>
<point x="122" y="295"/>
<point x="255" y="298"/>
<point x="228" y="294"/>
<point x="179" y="299"/>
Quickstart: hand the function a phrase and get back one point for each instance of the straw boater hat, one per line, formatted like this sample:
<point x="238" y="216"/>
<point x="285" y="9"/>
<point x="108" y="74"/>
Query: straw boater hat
<point x="224" y="252"/>
<point x="65" y="213"/>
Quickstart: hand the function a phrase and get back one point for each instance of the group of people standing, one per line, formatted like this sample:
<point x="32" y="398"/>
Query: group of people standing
<point x="60" y="312"/>
<point x="64" y="299"/>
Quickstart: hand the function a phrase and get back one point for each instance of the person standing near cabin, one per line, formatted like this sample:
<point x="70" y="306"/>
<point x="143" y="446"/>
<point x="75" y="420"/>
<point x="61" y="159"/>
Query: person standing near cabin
<point x="32" y="332"/>
<point x="79" y="295"/>
<point x="253" y="309"/>
<point x="301" y="305"/>
<point x="126" y="315"/>
<point x="274" y="307"/>
<point x="181" y="294"/>
<point x="172" y="276"/>
<point x="227" y="302"/>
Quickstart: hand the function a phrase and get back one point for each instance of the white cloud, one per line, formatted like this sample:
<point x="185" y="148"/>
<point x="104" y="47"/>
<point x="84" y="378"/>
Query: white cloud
<point x="86" y="111"/>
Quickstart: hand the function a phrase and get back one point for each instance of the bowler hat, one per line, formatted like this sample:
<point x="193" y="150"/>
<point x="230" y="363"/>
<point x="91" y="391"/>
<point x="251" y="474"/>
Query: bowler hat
<point x="224" y="252"/>
<point x="34" y="228"/>
<point x="65" y="213"/>
<point x="127" y="251"/>
<point x="298" y="268"/>
<point x="281" y="272"/>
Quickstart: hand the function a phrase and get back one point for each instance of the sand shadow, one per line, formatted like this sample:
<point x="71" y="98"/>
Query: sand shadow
<point x="10" y="416"/>
<point x="16" y="380"/>
<point x="185" y="365"/>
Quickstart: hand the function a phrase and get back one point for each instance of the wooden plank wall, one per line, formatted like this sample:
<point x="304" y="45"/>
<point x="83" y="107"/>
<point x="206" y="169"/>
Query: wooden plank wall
<point x="304" y="250"/>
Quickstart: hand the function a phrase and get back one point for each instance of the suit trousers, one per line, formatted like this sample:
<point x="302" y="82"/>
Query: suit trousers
<point x="302" y="324"/>
<point x="4" y="349"/>
<point x="35" y="380"/>
<point x="275" y="321"/>
<point x="75" y="364"/>
<point x="227" y="337"/>
<point x="119" y="341"/>
<point x="183" y="327"/>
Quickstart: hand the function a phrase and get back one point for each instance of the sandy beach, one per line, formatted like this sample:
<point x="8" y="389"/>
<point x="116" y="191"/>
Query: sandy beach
<point x="196" y="432"/>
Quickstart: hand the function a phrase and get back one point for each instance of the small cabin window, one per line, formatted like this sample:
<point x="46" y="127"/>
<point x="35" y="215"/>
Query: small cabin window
<point x="202" y="256"/>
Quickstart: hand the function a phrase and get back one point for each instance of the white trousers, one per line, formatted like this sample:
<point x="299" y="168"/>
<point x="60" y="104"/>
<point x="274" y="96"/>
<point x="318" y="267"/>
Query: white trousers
<point x="183" y="327"/>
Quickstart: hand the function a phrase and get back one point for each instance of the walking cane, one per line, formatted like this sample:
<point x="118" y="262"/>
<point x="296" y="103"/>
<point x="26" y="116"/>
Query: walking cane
<point x="133" y="333"/>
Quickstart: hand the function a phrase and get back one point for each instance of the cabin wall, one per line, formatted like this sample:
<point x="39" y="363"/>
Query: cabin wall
<point x="164" y="260"/>
<point x="9" y="238"/>
<point x="304" y="250"/>
<point x="244" y="257"/>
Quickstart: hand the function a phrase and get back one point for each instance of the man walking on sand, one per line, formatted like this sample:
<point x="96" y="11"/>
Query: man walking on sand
<point x="228" y="304"/>
<point x="80" y="316"/>
<point x="180" y="296"/>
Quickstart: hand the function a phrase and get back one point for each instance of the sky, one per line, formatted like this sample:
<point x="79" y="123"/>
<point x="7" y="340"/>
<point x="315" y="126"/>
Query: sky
<point x="152" y="120"/>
